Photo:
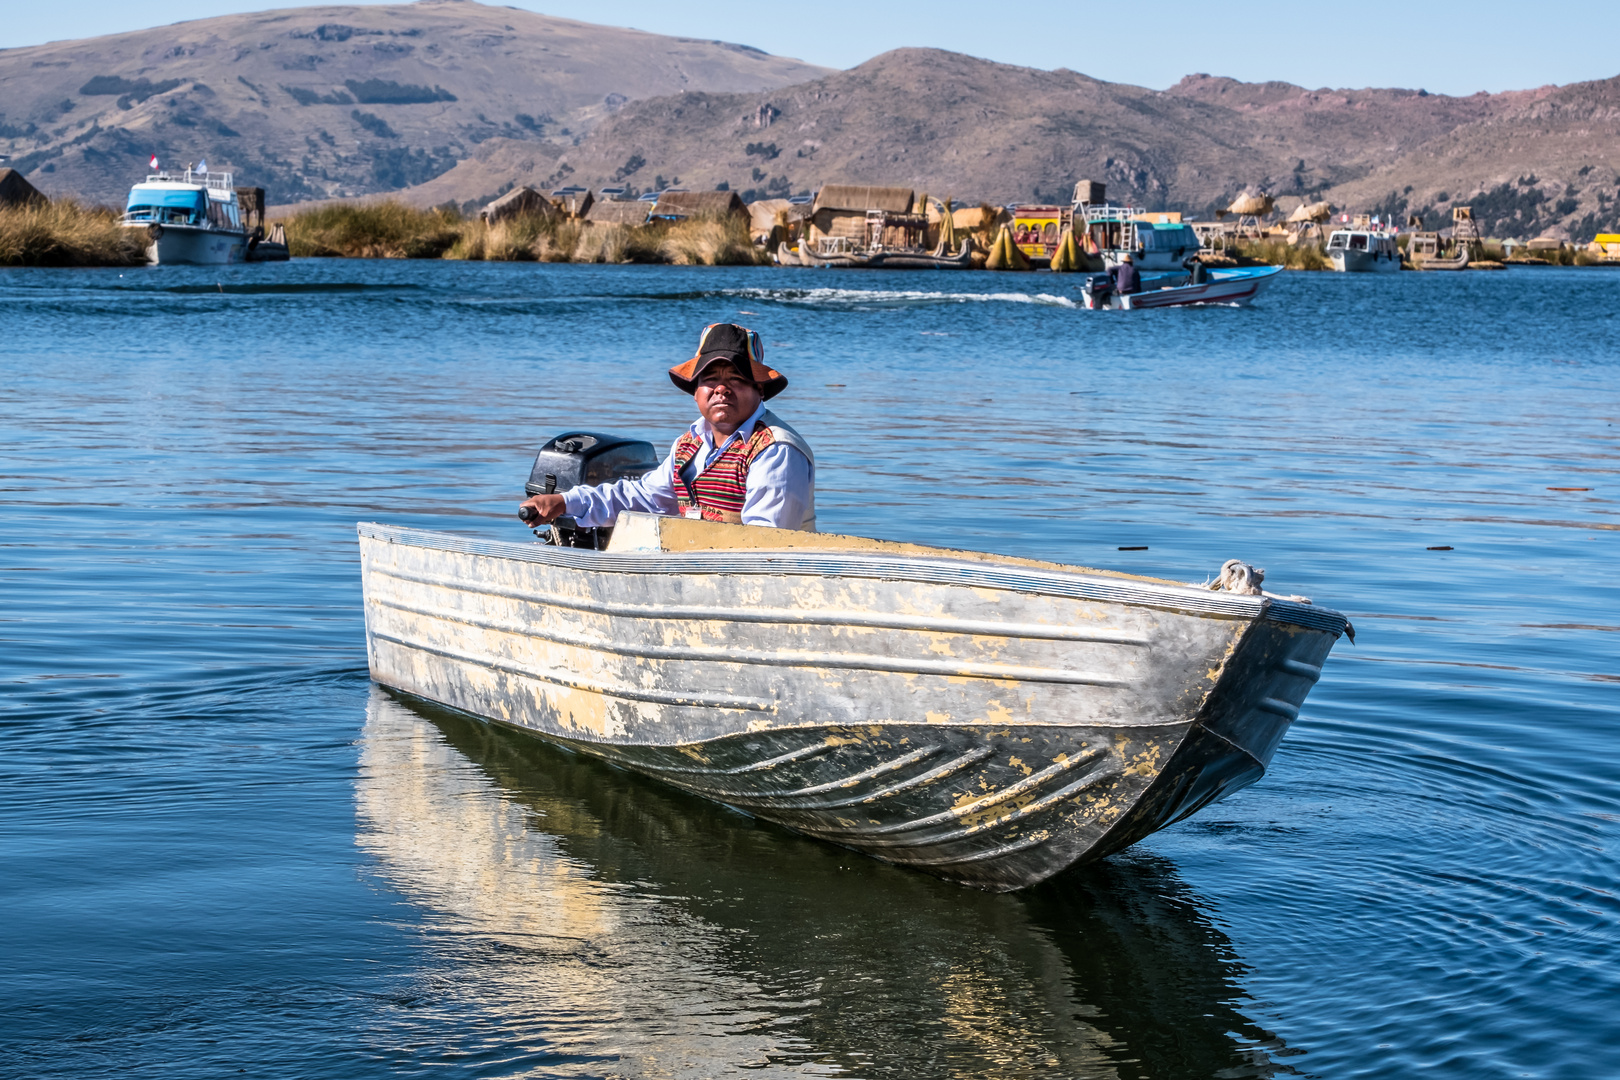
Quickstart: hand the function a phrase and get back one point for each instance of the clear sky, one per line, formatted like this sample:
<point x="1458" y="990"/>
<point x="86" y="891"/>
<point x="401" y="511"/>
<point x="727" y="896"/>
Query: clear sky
<point x="1451" y="48"/>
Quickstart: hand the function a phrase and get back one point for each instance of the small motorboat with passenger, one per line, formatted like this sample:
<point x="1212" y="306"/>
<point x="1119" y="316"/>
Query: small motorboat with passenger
<point x="988" y="719"/>
<point x="1235" y="286"/>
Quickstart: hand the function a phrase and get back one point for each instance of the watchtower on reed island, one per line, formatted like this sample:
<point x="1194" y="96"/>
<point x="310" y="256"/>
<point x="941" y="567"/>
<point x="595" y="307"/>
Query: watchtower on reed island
<point x="1248" y="208"/>
<point x="629" y="212"/>
<point x="1465" y="232"/>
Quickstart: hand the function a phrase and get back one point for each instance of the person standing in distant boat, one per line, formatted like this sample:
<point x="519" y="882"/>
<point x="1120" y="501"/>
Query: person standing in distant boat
<point x="738" y="462"/>
<point x="1125" y="277"/>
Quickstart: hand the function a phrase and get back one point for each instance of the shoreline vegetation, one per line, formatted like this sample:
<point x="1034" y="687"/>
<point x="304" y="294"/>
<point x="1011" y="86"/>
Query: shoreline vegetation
<point x="392" y="230"/>
<point x="64" y="233"/>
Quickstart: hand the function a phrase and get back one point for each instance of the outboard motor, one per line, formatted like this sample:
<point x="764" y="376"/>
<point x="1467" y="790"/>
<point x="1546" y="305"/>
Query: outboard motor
<point x="585" y="457"/>
<point x="1097" y="289"/>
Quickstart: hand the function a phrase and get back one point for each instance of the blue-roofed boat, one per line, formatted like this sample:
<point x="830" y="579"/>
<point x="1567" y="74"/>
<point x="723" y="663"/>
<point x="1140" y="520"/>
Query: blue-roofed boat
<point x="189" y="217"/>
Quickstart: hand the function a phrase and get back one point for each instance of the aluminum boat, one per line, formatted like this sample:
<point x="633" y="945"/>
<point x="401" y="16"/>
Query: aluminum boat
<point x="990" y="720"/>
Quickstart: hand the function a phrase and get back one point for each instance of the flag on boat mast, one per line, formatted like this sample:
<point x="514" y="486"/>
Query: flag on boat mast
<point x="202" y="166"/>
<point x="153" y="163"/>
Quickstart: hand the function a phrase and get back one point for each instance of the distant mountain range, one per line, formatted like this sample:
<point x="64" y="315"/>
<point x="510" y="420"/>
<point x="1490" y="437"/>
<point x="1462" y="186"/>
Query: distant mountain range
<point x="448" y="100"/>
<point x="323" y="102"/>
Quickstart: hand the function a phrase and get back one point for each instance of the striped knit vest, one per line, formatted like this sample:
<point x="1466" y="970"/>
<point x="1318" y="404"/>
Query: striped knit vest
<point x="719" y="491"/>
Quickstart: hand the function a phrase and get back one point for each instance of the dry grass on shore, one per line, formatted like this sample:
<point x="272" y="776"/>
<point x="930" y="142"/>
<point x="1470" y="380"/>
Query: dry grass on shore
<point x="1277" y="253"/>
<point x="63" y="233"/>
<point x="392" y="230"/>
<point x="1564" y="256"/>
<point x="377" y="230"/>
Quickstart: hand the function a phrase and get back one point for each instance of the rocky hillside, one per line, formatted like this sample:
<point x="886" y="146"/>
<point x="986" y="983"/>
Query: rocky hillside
<point x="1531" y="161"/>
<point x="1549" y="163"/>
<point x="449" y="100"/>
<point x="329" y="101"/>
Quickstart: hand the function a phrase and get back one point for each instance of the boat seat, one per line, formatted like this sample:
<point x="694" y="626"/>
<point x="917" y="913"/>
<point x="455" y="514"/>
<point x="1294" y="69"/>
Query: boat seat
<point x="639" y="533"/>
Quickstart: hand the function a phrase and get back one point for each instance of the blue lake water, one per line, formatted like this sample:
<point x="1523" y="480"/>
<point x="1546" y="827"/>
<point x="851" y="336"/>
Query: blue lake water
<point x="226" y="853"/>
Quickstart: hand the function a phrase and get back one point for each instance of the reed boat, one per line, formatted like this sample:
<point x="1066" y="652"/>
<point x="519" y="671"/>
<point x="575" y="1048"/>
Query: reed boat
<point x="987" y="719"/>
<point x="1457" y="260"/>
<point x="847" y="258"/>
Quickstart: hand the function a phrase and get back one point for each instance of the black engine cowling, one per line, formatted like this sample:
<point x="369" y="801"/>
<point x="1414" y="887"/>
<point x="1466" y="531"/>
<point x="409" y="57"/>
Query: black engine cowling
<point x="586" y="458"/>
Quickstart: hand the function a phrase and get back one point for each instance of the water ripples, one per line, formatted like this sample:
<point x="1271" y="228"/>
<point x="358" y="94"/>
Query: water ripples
<point x="219" y="833"/>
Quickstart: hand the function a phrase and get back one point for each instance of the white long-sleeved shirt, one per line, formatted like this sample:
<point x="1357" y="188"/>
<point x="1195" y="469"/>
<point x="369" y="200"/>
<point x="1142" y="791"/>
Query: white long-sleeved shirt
<point x="779" y="485"/>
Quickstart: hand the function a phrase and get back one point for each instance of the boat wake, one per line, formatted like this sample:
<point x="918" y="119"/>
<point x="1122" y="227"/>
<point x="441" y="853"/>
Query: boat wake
<point x="857" y="299"/>
<point x="271" y="288"/>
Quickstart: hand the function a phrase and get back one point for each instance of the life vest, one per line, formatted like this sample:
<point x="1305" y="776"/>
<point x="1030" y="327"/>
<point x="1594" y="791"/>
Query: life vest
<point x="719" y="492"/>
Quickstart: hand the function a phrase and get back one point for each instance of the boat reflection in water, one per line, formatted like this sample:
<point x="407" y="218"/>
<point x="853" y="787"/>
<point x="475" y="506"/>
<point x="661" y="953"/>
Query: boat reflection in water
<point x="583" y="921"/>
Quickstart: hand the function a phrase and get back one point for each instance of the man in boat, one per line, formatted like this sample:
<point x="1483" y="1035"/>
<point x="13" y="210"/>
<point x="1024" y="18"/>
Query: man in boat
<point x="1125" y="278"/>
<point x="737" y="463"/>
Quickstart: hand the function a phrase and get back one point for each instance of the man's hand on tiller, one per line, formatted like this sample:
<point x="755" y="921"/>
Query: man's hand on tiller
<point x="542" y="509"/>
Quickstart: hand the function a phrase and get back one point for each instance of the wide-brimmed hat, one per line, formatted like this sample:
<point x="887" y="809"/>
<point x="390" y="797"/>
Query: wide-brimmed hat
<point x="738" y="346"/>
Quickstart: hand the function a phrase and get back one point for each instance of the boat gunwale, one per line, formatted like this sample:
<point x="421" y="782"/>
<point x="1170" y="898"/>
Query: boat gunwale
<point x="940" y="570"/>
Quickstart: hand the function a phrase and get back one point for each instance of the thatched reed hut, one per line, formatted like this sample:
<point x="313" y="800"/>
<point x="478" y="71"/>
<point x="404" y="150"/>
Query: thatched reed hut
<point x="762" y="215"/>
<point x="517" y="202"/>
<point x="15" y="190"/>
<point x="618" y="212"/>
<point x="680" y="205"/>
<point x="841" y="210"/>
<point x="777" y="221"/>
<point x="576" y="202"/>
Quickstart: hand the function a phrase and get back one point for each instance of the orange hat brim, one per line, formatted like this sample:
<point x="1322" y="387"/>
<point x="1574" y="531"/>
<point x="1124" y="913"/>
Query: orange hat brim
<point x="771" y="382"/>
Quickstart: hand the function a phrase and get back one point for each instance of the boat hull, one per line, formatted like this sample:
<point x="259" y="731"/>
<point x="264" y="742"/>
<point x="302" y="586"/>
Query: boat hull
<point x="268" y="251"/>
<point x="983" y="721"/>
<point x="187" y="244"/>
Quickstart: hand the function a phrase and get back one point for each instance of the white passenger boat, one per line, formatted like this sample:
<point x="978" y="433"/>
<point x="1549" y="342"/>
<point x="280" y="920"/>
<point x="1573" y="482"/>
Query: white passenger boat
<point x="987" y="719"/>
<point x="189" y="217"/>
<point x="1364" y="251"/>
